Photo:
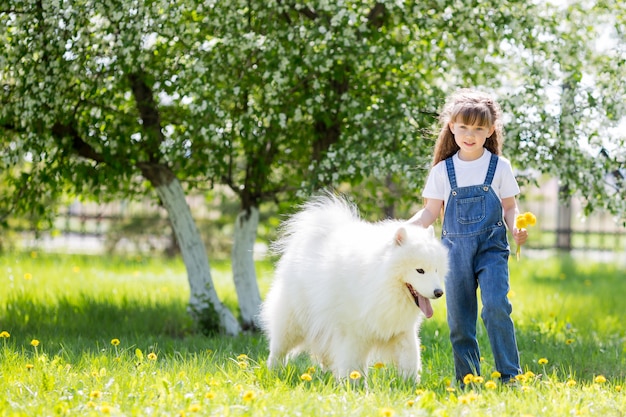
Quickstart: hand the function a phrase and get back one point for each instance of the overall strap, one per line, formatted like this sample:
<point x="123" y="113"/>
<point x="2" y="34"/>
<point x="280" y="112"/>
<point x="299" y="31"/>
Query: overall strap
<point x="451" y="174"/>
<point x="492" y="169"/>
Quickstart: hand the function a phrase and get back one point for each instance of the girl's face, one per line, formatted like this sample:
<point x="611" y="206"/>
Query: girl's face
<point x="470" y="139"/>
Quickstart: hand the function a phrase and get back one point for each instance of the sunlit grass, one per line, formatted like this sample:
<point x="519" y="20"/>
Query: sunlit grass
<point x="95" y="336"/>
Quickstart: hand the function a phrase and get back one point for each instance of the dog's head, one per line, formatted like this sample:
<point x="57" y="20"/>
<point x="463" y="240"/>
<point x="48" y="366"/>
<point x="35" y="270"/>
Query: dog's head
<point x="421" y="263"/>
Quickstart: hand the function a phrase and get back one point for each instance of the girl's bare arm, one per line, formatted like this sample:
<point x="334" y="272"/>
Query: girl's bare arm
<point x="427" y="216"/>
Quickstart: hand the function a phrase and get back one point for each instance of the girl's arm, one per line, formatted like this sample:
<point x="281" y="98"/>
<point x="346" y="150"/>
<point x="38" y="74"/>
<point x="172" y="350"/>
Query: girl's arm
<point x="509" y="205"/>
<point x="427" y="216"/>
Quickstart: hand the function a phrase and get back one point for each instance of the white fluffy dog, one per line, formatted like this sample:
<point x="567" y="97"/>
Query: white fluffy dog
<point x="349" y="292"/>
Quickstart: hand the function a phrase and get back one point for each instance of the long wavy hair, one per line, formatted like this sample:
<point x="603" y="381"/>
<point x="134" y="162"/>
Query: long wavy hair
<point x="469" y="107"/>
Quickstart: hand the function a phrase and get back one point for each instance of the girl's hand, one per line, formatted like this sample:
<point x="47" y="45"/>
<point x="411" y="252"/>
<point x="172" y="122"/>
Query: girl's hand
<point x="520" y="236"/>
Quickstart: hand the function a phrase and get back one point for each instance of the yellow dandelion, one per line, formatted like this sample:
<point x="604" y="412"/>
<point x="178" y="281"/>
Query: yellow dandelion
<point x="29" y="366"/>
<point x="34" y="342"/>
<point x="4" y="335"/>
<point x="569" y="341"/>
<point x="95" y="394"/>
<point x="542" y="361"/>
<point x="242" y="357"/>
<point x="28" y="276"/>
<point x="90" y="404"/>
<point x="311" y="370"/>
<point x="410" y="403"/>
<point x="529" y="374"/>
<point x="306" y="377"/>
<point x="600" y="379"/>
<point x="478" y="380"/>
<point x="242" y="364"/>
<point x="115" y="342"/>
<point x="95" y="373"/>
<point x="522" y="221"/>
<point x="618" y="388"/>
<point x="468" y="379"/>
<point x="496" y="375"/>
<point x="468" y="398"/>
<point x="249" y="396"/>
<point x="379" y="365"/>
<point x="152" y="356"/>
<point x="570" y="383"/>
<point x="239" y="387"/>
<point x="194" y="408"/>
<point x="106" y="409"/>
<point x="419" y="391"/>
<point x="33" y="254"/>
<point x="491" y="385"/>
<point x="521" y="378"/>
<point x="450" y="389"/>
<point x="209" y="395"/>
<point x="530" y="218"/>
<point x="355" y="375"/>
<point x="386" y="412"/>
<point x="76" y="269"/>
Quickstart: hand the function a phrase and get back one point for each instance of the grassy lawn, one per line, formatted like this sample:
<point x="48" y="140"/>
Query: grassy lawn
<point x="110" y="336"/>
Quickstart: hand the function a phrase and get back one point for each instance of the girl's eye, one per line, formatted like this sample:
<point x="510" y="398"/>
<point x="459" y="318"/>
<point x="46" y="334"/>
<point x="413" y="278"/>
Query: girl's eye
<point x="420" y="270"/>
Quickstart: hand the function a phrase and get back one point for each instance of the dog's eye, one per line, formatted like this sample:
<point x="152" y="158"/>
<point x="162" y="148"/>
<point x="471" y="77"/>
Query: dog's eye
<point x="420" y="270"/>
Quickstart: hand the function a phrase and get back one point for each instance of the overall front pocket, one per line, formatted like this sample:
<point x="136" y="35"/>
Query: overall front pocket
<point x="470" y="210"/>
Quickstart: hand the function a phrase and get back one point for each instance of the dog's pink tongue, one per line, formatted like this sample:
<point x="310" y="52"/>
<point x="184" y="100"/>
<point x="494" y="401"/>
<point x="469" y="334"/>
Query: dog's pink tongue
<point x="425" y="306"/>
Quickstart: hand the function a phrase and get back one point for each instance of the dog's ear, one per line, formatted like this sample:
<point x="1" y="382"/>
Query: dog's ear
<point x="431" y="229"/>
<point x="401" y="236"/>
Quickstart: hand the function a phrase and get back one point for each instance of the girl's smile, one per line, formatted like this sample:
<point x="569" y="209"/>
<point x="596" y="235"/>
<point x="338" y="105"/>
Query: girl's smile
<point x="470" y="139"/>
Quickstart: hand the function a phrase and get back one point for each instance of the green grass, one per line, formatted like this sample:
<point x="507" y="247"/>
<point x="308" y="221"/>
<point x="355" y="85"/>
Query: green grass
<point x="569" y="317"/>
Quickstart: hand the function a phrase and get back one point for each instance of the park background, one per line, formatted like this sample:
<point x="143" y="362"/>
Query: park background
<point x="175" y="135"/>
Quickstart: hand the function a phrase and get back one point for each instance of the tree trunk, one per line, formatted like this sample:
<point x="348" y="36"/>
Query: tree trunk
<point x="204" y="304"/>
<point x="244" y="273"/>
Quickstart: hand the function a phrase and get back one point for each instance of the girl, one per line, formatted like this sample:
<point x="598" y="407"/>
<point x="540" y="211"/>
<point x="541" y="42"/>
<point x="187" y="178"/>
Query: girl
<point x="477" y="189"/>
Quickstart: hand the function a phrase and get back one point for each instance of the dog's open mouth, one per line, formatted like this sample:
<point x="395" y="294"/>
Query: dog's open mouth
<point x="422" y="302"/>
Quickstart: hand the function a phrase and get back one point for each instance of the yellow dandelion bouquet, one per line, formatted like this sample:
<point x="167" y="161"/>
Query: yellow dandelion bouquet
<point x="522" y="221"/>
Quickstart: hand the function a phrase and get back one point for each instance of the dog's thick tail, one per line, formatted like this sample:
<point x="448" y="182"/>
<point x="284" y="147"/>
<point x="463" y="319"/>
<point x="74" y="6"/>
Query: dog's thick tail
<point x="316" y="218"/>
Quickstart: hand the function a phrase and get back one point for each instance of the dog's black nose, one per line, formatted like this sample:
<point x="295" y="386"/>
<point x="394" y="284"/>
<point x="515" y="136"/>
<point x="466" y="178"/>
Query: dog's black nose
<point x="438" y="293"/>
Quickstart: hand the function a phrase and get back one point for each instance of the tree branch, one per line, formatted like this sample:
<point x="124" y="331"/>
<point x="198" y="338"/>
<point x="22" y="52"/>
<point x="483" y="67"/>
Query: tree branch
<point x="376" y="15"/>
<point x="149" y="113"/>
<point x="79" y="146"/>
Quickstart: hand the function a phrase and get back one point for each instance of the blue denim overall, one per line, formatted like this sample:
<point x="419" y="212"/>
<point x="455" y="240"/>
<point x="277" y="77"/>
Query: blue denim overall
<point x="475" y="234"/>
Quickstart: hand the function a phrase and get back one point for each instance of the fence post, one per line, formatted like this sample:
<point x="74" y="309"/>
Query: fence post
<point x="564" y="220"/>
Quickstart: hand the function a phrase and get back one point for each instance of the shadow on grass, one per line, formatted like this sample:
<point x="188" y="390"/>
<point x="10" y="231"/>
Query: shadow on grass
<point x="87" y="317"/>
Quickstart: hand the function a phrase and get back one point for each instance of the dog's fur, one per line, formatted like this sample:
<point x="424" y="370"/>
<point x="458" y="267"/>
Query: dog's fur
<point x="341" y="289"/>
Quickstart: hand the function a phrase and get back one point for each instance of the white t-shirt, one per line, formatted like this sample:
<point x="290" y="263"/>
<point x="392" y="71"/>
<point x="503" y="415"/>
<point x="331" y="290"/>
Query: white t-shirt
<point x="471" y="173"/>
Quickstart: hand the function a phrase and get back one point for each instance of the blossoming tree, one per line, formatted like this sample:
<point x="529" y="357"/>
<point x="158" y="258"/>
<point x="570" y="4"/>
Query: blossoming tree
<point x="113" y="99"/>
